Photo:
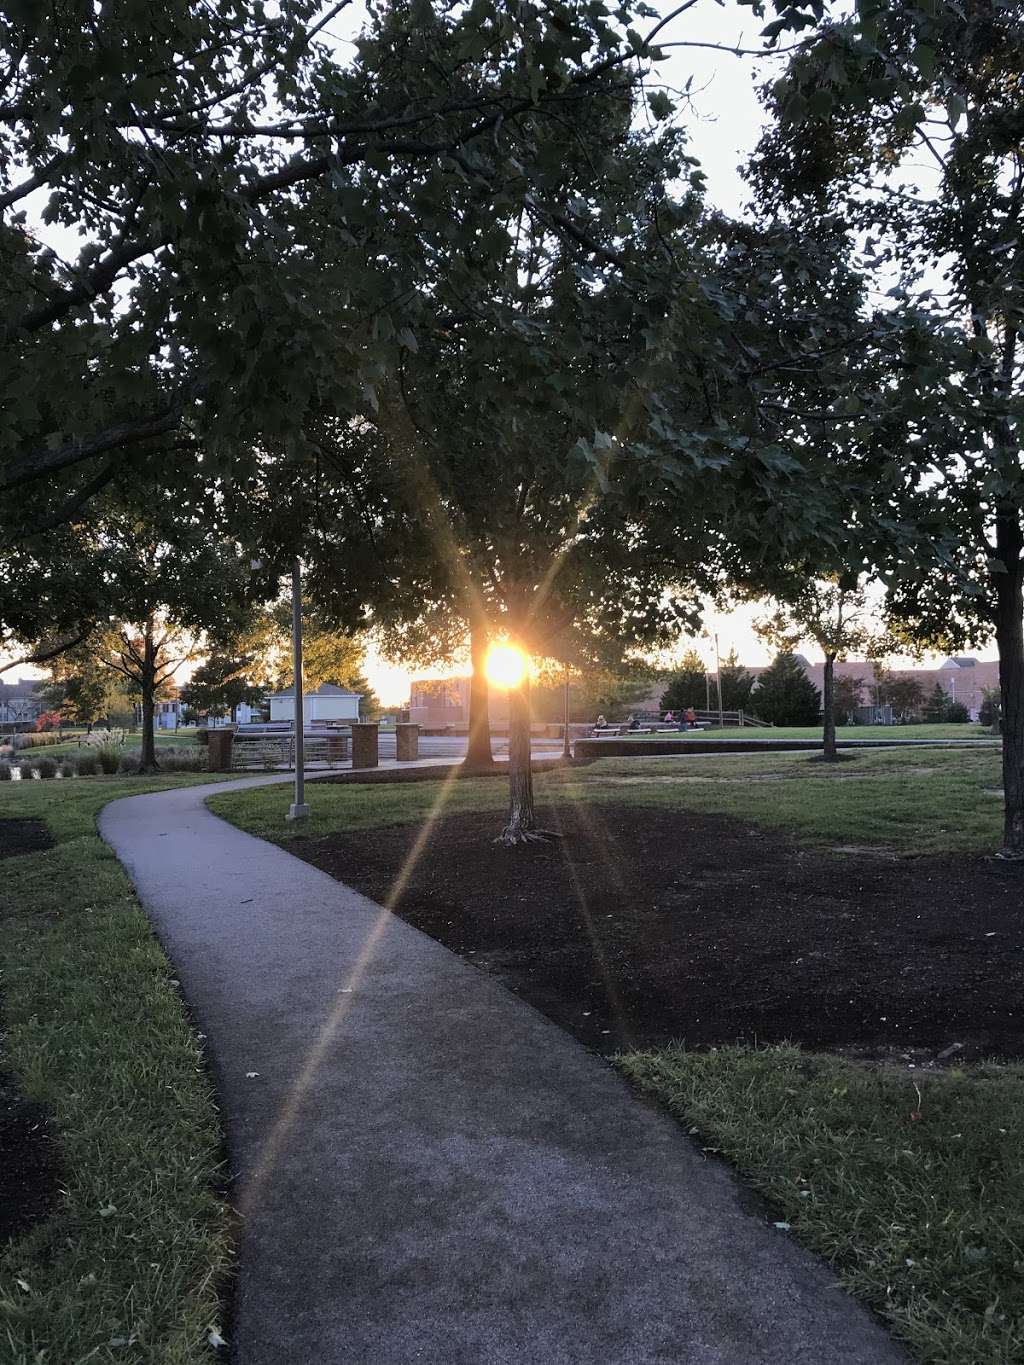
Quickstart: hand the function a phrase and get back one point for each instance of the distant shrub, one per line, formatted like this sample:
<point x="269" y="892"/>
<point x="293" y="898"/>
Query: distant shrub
<point x="27" y="741"/>
<point x="46" y="767"/>
<point x="129" y="763"/>
<point x="87" y="765"/>
<point x="108" y="757"/>
<point x="26" y="770"/>
<point x="183" y="761"/>
<point x="67" y="767"/>
<point x="956" y="713"/>
<point x="202" y="735"/>
<point x="5" y="771"/>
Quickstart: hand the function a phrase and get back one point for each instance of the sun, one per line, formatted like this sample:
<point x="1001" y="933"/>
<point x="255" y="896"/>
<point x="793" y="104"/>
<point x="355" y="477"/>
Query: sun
<point x="506" y="666"/>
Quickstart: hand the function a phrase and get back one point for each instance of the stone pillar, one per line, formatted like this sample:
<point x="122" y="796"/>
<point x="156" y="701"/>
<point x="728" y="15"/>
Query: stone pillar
<point x="407" y="742"/>
<point x="364" y="745"/>
<point x="220" y="750"/>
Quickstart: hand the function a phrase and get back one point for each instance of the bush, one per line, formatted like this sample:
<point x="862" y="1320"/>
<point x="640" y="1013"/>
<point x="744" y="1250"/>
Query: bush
<point x="5" y="772"/>
<point x="202" y="735"/>
<point x="67" y="768"/>
<point x="87" y="765"/>
<point x="26" y="770"/>
<point x="956" y="713"/>
<point x="108" y="757"/>
<point x="129" y="764"/>
<point x="46" y="767"/>
<point x="183" y="761"/>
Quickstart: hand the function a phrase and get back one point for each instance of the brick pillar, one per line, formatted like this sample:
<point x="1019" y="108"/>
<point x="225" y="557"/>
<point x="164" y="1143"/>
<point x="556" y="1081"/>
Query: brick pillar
<point x="220" y="750"/>
<point x="364" y="745"/>
<point x="407" y="742"/>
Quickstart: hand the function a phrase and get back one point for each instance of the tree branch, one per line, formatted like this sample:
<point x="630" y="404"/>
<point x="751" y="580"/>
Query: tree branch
<point x="43" y="656"/>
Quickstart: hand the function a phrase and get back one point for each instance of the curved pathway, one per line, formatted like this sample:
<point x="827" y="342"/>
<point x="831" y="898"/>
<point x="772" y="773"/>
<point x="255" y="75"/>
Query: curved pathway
<point x="430" y="1171"/>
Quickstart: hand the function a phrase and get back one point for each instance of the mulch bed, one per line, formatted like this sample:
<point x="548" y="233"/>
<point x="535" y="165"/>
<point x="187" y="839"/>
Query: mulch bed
<point x="24" y="836"/>
<point x="29" y="1162"/>
<point x="646" y="926"/>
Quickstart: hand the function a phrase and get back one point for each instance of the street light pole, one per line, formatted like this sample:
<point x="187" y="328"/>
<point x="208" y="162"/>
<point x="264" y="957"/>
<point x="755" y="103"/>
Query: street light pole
<point x="298" y="810"/>
<point x="718" y="684"/>
<point x="566" y="751"/>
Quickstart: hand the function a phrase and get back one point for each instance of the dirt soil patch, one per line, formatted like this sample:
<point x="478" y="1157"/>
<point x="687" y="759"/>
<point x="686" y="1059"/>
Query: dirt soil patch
<point x="24" y="836"/>
<point x="29" y="1162"/>
<point x="644" y="926"/>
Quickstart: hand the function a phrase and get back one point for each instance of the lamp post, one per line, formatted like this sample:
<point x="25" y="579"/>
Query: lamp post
<point x="718" y="684"/>
<point x="298" y="810"/>
<point x="566" y="751"/>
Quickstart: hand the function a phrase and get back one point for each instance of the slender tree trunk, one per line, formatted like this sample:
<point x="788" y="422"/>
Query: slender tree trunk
<point x="1009" y="587"/>
<point x="478" y="748"/>
<point x="522" y="821"/>
<point x="828" y="701"/>
<point x="147" y="762"/>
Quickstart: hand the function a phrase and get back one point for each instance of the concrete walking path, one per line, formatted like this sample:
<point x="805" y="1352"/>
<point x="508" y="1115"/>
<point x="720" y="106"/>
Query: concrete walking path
<point x="430" y="1171"/>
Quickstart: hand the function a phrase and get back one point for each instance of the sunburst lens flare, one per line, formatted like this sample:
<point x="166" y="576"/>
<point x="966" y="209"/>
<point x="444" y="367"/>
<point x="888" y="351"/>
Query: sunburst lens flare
<point x="506" y="666"/>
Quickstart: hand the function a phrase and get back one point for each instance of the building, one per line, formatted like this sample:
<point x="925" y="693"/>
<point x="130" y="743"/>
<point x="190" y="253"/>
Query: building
<point x="21" y="701"/>
<point x="963" y="679"/>
<point x="443" y="704"/>
<point x="327" y="704"/>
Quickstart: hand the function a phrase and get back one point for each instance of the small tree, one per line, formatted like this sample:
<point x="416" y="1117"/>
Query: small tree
<point x="937" y="704"/>
<point x="221" y="684"/>
<point x="990" y="711"/>
<point x="785" y="694"/>
<point x="737" y="683"/>
<point x="146" y="655"/>
<point x="687" y="685"/>
<point x="904" y="694"/>
<point x="833" y="614"/>
<point x="847" y="695"/>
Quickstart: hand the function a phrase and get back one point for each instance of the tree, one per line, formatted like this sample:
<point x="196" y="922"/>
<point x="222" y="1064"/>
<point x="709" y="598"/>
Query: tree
<point x="864" y="103"/>
<point x="833" y="614"/>
<point x="989" y="713"/>
<point x="687" y="685"/>
<point x="904" y="694"/>
<point x="222" y="683"/>
<point x="253" y="210"/>
<point x="737" y="683"/>
<point x="82" y="690"/>
<point x="937" y="704"/>
<point x="785" y="695"/>
<point x="847" y="696"/>
<point x="146" y="655"/>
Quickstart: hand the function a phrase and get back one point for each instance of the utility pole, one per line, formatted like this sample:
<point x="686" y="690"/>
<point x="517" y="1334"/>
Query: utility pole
<point x="718" y="684"/>
<point x="298" y="810"/>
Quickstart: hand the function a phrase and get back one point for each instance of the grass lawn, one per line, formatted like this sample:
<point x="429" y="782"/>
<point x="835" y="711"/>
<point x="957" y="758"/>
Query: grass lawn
<point x="968" y="730"/>
<point x="933" y="801"/>
<point x="127" y="1267"/>
<point x="910" y="1185"/>
<point x="916" y="1199"/>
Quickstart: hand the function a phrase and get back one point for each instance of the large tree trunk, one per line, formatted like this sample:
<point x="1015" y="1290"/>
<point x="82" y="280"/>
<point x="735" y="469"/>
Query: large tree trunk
<point x="478" y="748"/>
<point x="828" y="701"/>
<point x="522" y="821"/>
<point x="147" y="761"/>
<point x="1009" y="586"/>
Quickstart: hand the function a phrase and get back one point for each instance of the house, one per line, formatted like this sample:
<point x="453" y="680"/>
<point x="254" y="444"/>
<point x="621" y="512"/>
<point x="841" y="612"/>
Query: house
<point x="327" y="704"/>
<point x="21" y="701"/>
